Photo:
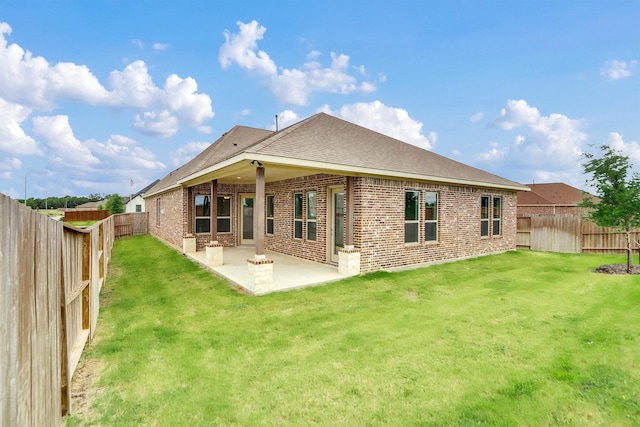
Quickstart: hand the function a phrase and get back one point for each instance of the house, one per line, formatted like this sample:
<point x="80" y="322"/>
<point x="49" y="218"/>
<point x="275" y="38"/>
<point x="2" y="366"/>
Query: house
<point x="550" y="199"/>
<point x="332" y="192"/>
<point x="135" y="202"/>
<point x="90" y="206"/>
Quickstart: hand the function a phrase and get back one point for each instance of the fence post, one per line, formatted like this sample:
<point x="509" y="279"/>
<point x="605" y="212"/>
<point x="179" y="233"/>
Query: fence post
<point x="65" y="380"/>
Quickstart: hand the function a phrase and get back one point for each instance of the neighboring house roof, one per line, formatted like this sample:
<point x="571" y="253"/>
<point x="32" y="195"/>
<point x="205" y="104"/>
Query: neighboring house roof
<point x="556" y="193"/>
<point x="322" y="144"/>
<point x="143" y="191"/>
<point x="91" y="205"/>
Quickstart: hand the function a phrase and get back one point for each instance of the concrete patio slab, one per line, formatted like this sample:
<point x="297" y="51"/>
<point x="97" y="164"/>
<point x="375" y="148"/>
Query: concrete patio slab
<point x="288" y="272"/>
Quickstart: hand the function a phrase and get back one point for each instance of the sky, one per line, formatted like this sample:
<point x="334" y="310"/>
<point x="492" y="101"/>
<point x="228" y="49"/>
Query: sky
<point x="107" y="96"/>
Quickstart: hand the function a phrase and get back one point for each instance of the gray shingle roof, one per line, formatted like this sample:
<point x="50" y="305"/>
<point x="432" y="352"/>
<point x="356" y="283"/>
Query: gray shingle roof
<point x="325" y="139"/>
<point x="228" y="145"/>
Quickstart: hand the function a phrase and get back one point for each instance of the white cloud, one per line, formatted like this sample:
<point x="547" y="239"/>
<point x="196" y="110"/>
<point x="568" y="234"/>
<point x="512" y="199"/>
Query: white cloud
<point x="122" y="153"/>
<point x="181" y="98"/>
<point x="285" y="118"/>
<point x="133" y="86"/>
<point x="630" y="149"/>
<point x="394" y="122"/>
<point x="8" y="165"/>
<point x="294" y="86"/>
<point x="476" y="117"/>
<point x="13" y="139"/>
<point x="94" y="164"/>
<point x="156" y="123"/>
<point x="244" y="113"/>
<point x="494" y="154"/>
<point x="241" y="48"/>
<point x="160" y="46"/>
<point x="187" y="152"/>
<point x="178" y="104"/>
<point x="548" y="146"/>
<point x="616" y="70"/>
<point x="517" y="113"/>
<point x="63" y="147"/>
<point x="76" y="82"/>
<point x="32" y="82"/>
<point x="433" y="137"/>
<point x="36" y="85"/>
<point x="11" y="163"/>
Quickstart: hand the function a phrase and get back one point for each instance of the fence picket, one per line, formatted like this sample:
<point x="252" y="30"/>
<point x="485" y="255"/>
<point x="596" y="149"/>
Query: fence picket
<point x="41" y="289"/>
<point x="570" y="233"/>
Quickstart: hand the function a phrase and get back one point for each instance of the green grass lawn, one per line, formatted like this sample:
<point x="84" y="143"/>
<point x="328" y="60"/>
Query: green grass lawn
<point x="522" y="338"/>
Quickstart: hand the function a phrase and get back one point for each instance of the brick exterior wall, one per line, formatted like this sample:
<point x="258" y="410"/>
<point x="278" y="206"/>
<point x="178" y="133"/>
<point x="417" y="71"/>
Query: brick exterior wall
<point x="378" y="220"/>
<point x="282" y="239"/>
<point x="379" y="224"/>
<point x="168" y="215"/>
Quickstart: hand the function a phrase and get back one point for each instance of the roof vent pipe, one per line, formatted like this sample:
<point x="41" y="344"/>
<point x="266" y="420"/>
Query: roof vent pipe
<point x="276" y="123"/>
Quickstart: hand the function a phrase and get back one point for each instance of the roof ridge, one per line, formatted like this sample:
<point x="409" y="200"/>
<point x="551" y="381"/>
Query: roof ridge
<point x="276" y="135"/>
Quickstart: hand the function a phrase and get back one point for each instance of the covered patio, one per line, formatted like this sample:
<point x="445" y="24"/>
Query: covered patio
<point x="288" y="272"/>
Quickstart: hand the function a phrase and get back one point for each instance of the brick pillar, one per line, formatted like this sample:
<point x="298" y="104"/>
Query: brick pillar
<point x="260" y="275"/>
<point x="214" y="253"/>
<point x="349" y="261"/>
<point x="188" y="243"/>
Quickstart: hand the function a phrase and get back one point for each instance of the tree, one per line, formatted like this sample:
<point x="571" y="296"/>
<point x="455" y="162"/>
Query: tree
<point x="115" y="204"/>
<point x="618" y="190"/>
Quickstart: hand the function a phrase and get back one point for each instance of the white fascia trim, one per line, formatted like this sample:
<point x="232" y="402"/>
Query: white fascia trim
<point x="350" y="170"/>
<point x="164" y="190"/>
<point x="231" y="161"/>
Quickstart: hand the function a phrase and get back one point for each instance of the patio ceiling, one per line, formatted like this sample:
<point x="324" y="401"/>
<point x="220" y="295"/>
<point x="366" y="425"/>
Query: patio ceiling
<point x="243" y="172"/>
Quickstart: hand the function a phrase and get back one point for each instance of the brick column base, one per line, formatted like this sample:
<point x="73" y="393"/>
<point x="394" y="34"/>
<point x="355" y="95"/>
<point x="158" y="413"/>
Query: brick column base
<point x="188" y="244"/>
<point x="260" y="275"/>
<point x="214" y="255"/>
<point x="349" y="261"/>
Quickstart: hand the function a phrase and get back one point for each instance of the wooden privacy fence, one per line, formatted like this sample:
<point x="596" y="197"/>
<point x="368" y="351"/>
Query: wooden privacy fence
<point x="88" y="215"/>
<point x="131" y="224"/>
<point x="570" y="233"/>
<point x="50" y="279"/>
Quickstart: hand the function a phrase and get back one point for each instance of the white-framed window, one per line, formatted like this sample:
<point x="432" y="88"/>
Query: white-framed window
<point x="497" y="216"/>
<point x="431" y="217"/>
<point x="270" y="209"/>
<point x="203" y="214"/>
<point x="484" y="216"/>
<point x="312" y="204"/>
<point x="138" y="208"/>
<point x="223" y="217"/>
<point x="297" y="215"/>
<point x="411" y="216"/>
